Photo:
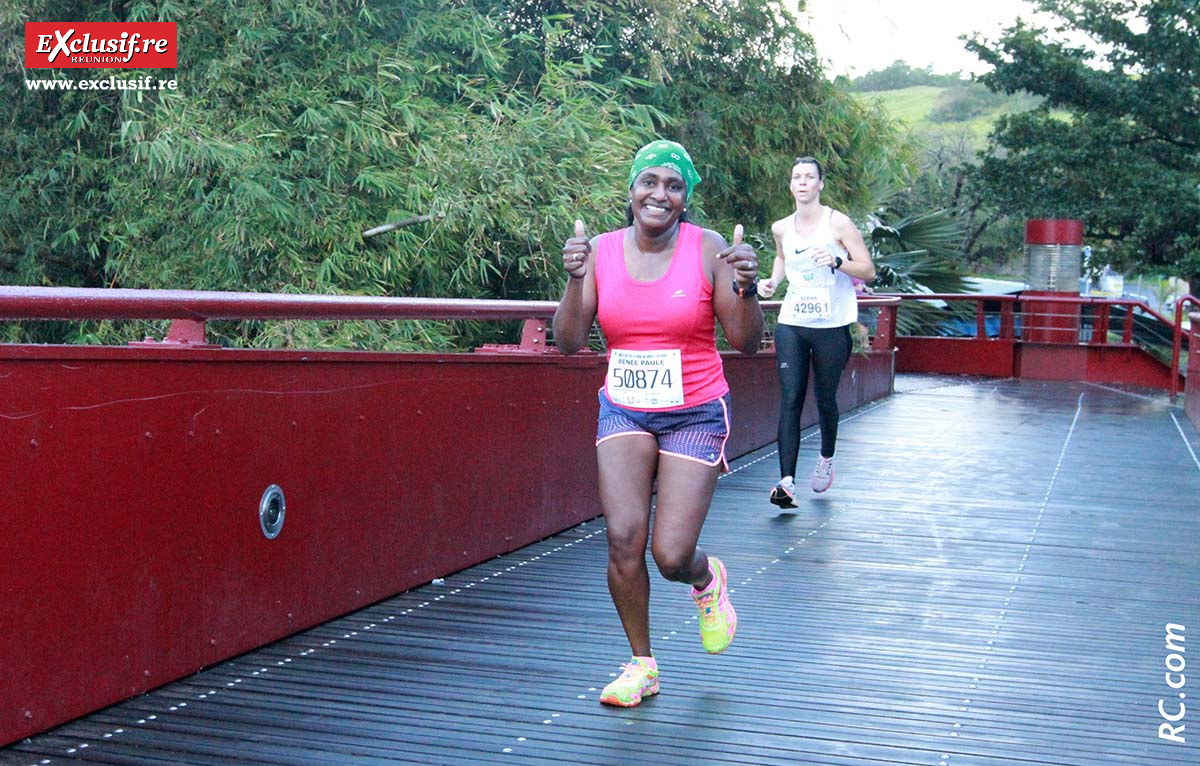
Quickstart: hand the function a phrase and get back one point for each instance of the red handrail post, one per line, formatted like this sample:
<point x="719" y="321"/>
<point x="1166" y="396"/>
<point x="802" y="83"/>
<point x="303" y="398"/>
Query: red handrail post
<point x="1100" y="328"/>
<point x="1008" y="326"/>
<point x="1177" y="342"/>
<point x="1192" y="393"/>
<point x="885" y="328"/>
<point x="184" y="333"/>
<point x="533" y="335"/>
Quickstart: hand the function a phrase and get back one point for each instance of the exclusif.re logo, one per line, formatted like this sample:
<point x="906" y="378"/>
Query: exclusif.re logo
<point x="130" y="45"/>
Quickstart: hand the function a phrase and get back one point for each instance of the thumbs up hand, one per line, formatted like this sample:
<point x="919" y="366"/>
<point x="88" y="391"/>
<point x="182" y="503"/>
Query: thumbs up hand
<point x="742" y="258"/>
<point x="576" y="252"/>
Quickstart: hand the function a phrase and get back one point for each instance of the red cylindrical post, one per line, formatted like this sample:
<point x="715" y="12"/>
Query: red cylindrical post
<point x="1053" y="258"/>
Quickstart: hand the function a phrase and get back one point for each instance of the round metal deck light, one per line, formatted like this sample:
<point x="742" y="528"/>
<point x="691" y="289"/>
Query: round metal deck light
<point x="271" y="510"/>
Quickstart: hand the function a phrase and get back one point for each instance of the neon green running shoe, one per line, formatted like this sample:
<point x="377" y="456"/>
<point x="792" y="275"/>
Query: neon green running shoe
<point x="640" y="679"/>
<point x="718" y="621"/>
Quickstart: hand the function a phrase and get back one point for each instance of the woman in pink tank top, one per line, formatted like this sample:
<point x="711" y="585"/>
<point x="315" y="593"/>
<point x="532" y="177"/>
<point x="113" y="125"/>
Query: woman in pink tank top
<point x="658" y="287"/>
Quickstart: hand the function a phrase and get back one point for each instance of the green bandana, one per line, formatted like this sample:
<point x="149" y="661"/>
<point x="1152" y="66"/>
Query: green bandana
<point x="665" y="154"/>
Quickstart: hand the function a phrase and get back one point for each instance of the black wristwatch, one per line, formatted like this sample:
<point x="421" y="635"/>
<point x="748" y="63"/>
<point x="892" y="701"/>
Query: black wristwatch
<point x="747" y="292"/>
<point x="837" y="261"/>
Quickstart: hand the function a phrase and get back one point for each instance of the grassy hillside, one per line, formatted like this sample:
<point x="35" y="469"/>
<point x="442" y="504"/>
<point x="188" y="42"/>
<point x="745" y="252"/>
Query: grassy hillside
<point x="969" y="111"/>
<point x="912" y="105"/>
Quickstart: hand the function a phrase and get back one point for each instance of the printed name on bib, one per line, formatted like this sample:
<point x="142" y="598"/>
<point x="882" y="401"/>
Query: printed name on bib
<point x="645" y="379"/>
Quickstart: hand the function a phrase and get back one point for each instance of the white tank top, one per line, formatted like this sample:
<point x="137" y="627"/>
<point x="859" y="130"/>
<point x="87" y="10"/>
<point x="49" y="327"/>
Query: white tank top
<point x="817" y="296"/>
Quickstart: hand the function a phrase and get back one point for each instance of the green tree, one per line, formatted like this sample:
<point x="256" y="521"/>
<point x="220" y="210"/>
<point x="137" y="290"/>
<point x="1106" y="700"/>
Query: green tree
<point x="738" y="83"/>
<point x="749" y="110"/>
<point x="1125" y="158"/>
<point x="989" y="241"/>
<point x="316" y="120"/>
<point x="898" y="74"/>
<point x="298" y="125"/>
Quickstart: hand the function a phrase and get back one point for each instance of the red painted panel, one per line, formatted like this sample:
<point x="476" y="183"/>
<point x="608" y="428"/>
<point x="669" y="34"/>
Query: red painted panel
<point x="1054" y="231"/>
<point x="754" y="401"/>
<point x="132" y="479"/>
<point x="1126" y="364"/>
<point x="1032" y="361"/>
<point x="132" y="483"/>
<point x="1051" y="361"/>
<point x="955" y="356"/>
<point x="1097" y="364"/>
<point x="868" y="377"/>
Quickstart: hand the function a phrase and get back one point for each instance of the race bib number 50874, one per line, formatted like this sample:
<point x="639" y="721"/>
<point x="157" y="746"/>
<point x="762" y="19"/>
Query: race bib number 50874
<point x="645" y="379"/>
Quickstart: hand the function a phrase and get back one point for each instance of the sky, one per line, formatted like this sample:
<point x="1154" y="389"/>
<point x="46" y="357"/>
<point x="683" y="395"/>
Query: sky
<point x="857" y="36"/>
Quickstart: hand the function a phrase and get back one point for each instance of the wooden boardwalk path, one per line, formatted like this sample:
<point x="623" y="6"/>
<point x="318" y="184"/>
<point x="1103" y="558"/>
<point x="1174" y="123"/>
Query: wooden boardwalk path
<point x="989" y="582"/>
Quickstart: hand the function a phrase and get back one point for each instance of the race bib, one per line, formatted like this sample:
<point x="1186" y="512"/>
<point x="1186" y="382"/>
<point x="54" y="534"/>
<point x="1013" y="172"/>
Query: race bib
<point x="647" y="380"/>
<point x="806" y="303"/>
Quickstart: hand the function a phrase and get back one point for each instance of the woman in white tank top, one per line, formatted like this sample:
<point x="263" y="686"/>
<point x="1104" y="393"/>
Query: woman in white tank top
<point x="817" y="250"/>
<point x="817" y="295"/>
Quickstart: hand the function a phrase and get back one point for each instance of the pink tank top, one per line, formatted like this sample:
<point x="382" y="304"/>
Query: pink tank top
<point x="671" y="314"/>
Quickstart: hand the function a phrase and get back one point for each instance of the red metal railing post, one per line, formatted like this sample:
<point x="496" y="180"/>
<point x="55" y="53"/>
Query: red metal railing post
<point x="186" y="331"/>
<point x="533" y="340"/>
<point x="1192" y="390"/>
<point x="1100" y="328"/>
<point x="1008" y="325"/>
<point x="182" y="333"/>
<point x="885" y="328"/>
<point x="533" y="335"/>
<point x="1177" y="342"/>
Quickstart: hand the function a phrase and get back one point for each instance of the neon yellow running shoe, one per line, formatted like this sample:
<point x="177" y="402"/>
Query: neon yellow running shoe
<point x="640" y="679"/>
<point x="718" y="621"/>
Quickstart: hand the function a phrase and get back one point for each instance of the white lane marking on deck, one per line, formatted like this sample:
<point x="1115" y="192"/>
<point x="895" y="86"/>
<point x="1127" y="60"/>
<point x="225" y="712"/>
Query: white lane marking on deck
<point x="1115" y="390"/>
<point x="1037" y="524"/>
<point x="1186" y="443"/>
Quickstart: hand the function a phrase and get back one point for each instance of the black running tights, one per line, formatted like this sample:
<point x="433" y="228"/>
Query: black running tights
<point x="825" y="351"/>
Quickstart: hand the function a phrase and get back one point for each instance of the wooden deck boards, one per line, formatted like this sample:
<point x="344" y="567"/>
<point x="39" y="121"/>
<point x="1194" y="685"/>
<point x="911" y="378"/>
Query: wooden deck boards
<point x="988" y="583"/>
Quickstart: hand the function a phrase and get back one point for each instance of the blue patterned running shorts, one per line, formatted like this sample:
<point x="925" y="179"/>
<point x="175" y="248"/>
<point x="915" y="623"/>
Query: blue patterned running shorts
<point x="696" y="433"/>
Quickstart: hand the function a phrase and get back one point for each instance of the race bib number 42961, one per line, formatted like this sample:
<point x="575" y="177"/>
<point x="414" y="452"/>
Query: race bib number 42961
<point x="645" y="379"/>
<point x="74" y="44"/>
<point x="807" y="303"/>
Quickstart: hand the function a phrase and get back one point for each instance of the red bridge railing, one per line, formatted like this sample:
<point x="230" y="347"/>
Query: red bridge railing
<point x="190" y="310"/>
<point x="92" y="303"/>
<point x="1052" y="319"/>
<point x="1062" y="321"/>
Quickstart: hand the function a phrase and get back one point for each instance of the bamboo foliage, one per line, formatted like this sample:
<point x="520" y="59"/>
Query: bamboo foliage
<point x="493" y="124"/>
